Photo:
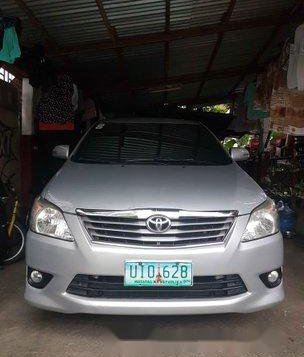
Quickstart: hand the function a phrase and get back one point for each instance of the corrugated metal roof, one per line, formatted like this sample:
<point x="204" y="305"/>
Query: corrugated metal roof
<point x="29" y="35"/>
<point x="254" y="8"/>
<point x="136" y="17"/>
<point x="207" y="12"/>
<point x="190" y="13"/>
<point x="144" y="63"/>
<point x="190" y="55"/>
<point x="9" y="7"/>
<point x="79" y="22"/>
<point x="241" y="46"/>
<point x="70" y="22"/>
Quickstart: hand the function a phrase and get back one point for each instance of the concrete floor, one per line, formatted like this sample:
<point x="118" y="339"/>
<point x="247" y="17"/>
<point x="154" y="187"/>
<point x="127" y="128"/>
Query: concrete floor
<point x="26" y="331"/>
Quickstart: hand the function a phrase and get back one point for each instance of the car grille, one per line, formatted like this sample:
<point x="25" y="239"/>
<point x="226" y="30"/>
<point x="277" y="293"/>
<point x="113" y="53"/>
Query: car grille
<point x="130" y="227"/>
<point x="112" y="287"/>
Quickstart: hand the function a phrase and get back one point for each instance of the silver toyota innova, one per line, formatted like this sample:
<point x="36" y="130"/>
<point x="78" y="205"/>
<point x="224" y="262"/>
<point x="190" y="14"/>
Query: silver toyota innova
<point x="151" y="216"/>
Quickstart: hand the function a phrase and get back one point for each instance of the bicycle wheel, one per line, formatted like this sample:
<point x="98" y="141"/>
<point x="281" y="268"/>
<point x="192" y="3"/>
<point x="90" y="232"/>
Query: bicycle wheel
<point x="16" y="244"/>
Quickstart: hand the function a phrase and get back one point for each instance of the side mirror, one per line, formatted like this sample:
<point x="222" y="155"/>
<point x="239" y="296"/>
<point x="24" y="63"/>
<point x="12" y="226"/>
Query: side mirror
<point x="61" y="152"/>
<point x="239" y="154"/>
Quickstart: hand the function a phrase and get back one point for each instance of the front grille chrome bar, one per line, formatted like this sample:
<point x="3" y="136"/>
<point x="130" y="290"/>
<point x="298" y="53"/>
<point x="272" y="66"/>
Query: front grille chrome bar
<point x="146" y="213"/>
<point x="130" y="228"/>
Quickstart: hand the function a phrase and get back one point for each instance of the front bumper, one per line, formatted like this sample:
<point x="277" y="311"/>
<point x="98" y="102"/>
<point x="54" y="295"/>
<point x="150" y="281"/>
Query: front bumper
<point x="65" y="259"/>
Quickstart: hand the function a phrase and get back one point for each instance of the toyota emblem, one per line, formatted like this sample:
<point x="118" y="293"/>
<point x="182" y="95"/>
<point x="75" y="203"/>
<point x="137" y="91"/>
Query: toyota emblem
<point x="158" y="223"/>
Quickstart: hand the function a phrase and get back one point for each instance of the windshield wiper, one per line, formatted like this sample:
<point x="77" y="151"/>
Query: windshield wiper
<point x="158" y="161"/>
<point x="168" y="161"/>
<point x="144" y="161"/>
<point x="197" y="162"/>
<point x="92" y="161"/>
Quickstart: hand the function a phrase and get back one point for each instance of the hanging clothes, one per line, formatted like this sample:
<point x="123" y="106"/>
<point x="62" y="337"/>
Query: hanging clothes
<point x="292" y="82"/>
<point x="55" y="109"/>
<point x="299" y="42"/>
<point x="295" y="74"/>
<point x="10" y="48"/>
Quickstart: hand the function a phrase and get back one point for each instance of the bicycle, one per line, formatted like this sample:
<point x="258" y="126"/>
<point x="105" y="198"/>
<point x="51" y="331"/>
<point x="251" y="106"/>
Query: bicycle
<point x="12" y="230"/>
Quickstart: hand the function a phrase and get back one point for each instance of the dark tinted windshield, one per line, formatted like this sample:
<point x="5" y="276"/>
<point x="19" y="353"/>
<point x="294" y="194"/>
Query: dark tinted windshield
<point x="127" y="143"/>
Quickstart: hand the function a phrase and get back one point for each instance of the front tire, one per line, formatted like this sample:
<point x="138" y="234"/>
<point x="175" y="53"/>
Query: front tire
<point x="16" y="244"/>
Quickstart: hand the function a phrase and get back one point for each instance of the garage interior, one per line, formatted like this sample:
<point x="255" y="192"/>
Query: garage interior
<point x="181" y="59"/>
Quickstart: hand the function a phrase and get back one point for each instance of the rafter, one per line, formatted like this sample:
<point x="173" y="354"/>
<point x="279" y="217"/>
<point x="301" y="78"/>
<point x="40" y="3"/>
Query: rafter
<point x="115" y="39"/>
<point x="183" y="79"/>
<point x="225" y="19"/>
<point x="158" y="37"/>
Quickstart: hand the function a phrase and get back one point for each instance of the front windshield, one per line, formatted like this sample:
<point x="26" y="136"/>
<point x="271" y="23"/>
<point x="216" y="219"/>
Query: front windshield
<point x="151" y="143"/>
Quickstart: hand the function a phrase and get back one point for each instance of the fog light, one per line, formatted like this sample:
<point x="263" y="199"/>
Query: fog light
<point x="38" y="279"/>
<point x="36" y="276"/>
<point x="273" y="276"/>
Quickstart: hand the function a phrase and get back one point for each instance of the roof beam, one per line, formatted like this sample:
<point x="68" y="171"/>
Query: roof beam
<point x="284" y="21"/>
<point x="186" y="78"/>
<point x="225" y="19"/>
<point x="158" y="37"/>
<point x="115" y="39"/>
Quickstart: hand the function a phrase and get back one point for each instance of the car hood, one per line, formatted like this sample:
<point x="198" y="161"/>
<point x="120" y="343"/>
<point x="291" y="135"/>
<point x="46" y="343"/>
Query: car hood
<point x="118" y="187"/>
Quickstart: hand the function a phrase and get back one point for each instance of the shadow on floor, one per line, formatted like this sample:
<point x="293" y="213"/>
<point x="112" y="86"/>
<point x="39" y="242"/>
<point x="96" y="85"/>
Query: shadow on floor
<point x="236" y="327"/>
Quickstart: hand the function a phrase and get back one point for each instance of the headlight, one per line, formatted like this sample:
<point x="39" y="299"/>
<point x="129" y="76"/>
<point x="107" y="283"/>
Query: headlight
<point x="263" y="222"/>
<point x="48" y="220"/>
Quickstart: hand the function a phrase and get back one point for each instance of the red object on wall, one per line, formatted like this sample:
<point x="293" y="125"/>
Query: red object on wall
<point x="56" y="126"/>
